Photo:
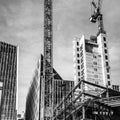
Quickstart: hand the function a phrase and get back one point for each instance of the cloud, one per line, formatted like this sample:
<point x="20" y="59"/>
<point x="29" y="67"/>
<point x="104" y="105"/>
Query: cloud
<point x="21" y="23"/>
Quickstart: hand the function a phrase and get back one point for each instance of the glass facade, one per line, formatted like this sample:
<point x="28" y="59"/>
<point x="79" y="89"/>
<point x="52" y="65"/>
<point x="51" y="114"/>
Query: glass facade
<point x="8" y="81"/>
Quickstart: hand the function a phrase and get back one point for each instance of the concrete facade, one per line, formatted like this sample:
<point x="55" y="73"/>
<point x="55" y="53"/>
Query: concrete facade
<point x="91" y="60"/>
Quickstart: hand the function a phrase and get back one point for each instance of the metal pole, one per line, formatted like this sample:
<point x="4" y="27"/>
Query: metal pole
<point x="64" y="88"/>
<point x="65" y="100"/>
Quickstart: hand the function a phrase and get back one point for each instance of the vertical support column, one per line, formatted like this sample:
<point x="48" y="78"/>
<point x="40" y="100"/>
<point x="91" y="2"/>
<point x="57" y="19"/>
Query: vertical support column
<point x="48" y="62"/>
<point x="83" y="98"/>
<point x="73" y="116"/>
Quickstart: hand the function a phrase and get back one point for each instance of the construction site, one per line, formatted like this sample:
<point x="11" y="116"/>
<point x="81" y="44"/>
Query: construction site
<point x="90" y="95"/>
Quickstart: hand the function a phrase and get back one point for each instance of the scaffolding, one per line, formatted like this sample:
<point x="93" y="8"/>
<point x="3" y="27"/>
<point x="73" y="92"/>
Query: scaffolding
<point x="47" y="78"/>
<point x="89" y="105"/>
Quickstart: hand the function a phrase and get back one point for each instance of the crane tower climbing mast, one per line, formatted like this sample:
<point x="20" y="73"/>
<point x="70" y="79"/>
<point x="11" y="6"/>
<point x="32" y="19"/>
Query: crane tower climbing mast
<point x="47" y="79"/>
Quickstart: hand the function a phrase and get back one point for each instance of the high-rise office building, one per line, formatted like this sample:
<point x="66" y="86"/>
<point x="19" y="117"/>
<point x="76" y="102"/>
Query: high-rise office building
<point x="91" y="60"/>
<point x="34" y="98"/>
<point x="8" y="81"/>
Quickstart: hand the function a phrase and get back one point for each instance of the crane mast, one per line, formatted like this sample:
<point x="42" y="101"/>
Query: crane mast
<point x="48" y="62"/>
<point x="97" y="16"/>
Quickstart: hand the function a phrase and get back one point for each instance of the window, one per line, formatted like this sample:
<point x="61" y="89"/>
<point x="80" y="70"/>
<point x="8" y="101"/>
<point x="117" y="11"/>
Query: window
<point x="82" y="65"/>
<point x="105" y="45"/>
<point x="78" y="61"/>
<point x="77" y="49"/>
<point x="81" y="60"/>
<point x="95" y="69"/>
<point x="108" y="76"/>
<point x="108" y="82"/>
<point x="79" y="79"/>
<point x="96" y="82"/>
<point x="77" y="55"/>
<point x="96" y="76"/>
<point x="77" y="43"/>
<point x="78" y="73"/>
<point x="106" y="57"/>
<point x="78" y="67"/>
<point x="99" y="55"/>
<point x="95" y="63"/>
<point x="94" y="56"/>
<point x="107" y="64"/>
<point x="105" y="51"/>
<point x="104" y="38"/>
<point x="107" y="70"/>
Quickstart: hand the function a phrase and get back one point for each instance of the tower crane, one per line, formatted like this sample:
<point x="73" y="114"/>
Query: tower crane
<point x="47" y="77"/>
<point x="97" y="16"/>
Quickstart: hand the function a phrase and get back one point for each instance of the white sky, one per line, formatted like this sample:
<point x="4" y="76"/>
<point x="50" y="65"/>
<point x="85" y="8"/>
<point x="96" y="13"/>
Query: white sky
<point x="21" y="23"/>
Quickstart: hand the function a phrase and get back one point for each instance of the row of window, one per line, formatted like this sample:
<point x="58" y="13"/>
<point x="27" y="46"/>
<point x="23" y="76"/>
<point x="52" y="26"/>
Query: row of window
<point x="78" y="61"/>
<point x="8" y="49"/>
<point x="95" y="63"/>
<point x="106" y="58"/>
<point x="115" y="87"/>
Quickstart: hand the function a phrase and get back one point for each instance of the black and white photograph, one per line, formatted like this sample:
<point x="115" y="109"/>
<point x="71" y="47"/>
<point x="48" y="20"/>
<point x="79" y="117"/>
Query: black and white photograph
<point x="59" y="59"/>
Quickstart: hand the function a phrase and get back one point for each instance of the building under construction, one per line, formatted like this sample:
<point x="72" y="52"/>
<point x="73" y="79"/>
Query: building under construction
<point x="92" y="97"/>
<point x="80" y="103"/>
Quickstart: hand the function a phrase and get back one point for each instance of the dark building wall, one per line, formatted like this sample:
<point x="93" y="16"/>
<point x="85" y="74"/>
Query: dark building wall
<point x="8" y="80"/>
<point x="61" y="88"/>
